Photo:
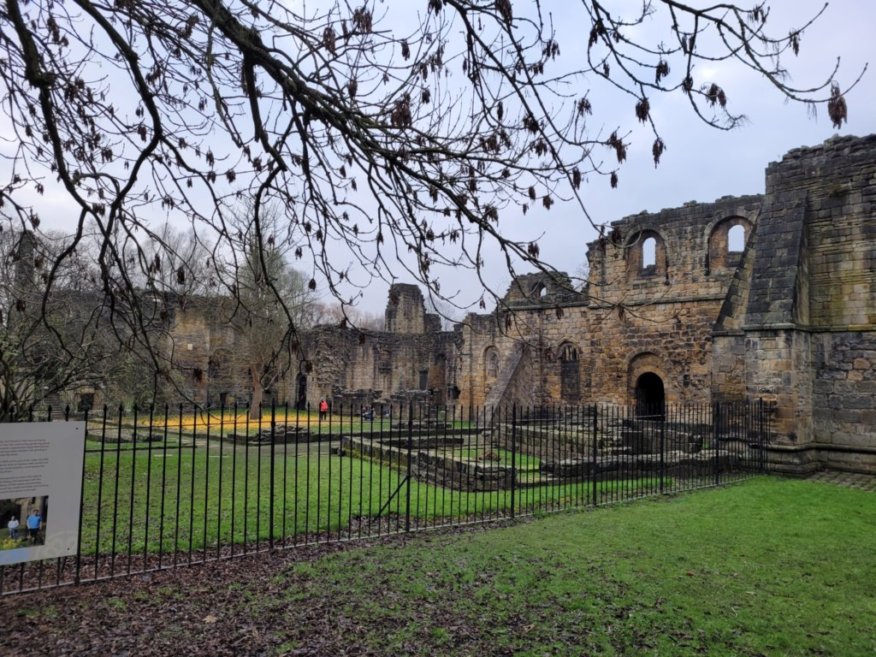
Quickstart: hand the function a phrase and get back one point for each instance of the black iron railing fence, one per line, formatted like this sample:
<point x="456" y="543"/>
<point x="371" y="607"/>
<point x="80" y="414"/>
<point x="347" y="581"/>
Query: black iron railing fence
<point x="182" y="485"/>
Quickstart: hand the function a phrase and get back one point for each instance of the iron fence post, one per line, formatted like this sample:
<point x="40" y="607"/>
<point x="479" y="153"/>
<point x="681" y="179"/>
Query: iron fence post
<point x="769" y="409"/>
<point x="760" y="442"/>
<point x="513" y="457"/>
<point x="662" y="455"/>
<point x="271" y="485"/>
<point x="82" y="501"/>
<point x="593" y="465"/>
<point x="716" y="431"/>
<point x="410" y="442"/>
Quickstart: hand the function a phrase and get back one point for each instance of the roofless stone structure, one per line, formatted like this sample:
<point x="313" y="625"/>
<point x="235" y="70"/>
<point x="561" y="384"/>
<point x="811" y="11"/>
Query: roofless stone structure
<point x="767" y="297"/>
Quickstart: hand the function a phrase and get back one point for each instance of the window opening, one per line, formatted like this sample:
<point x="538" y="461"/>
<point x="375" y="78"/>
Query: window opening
<point x="736" y="239"/>
<point x="570" y="374"/>
<point x="492" y="364"/>
<point x="649" y="253"/>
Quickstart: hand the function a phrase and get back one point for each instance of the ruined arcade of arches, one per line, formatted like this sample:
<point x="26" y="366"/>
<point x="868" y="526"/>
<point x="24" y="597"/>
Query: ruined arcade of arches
<point x="768" y="296"/>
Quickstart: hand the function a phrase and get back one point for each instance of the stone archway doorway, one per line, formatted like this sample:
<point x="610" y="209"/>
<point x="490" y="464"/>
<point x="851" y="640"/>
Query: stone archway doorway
<point x="650" y="397"/>
<point x="301" y="391"/>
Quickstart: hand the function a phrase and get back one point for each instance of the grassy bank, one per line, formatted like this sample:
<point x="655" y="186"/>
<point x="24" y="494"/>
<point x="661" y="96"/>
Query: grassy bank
<point x="769" y="567"/>
<point x="169" y="498"/>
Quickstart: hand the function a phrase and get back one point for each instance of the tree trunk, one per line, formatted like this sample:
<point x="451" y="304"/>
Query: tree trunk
<point x="255" y="404"/>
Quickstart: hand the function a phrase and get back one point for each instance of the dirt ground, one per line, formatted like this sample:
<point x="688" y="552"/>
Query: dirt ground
<point x="203" y="610"/>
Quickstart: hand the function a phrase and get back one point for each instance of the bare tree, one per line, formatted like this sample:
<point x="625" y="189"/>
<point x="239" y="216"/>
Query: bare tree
<point x="269" y="301"/>
<point x="176" y="261"/>
<point x="340" y="314"/>
<point x="51" y="341"/>
<point x="385" y="144"/>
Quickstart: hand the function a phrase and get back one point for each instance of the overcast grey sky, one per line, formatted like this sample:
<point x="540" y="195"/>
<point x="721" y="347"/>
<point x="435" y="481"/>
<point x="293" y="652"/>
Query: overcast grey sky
<point x="700" y="163"/>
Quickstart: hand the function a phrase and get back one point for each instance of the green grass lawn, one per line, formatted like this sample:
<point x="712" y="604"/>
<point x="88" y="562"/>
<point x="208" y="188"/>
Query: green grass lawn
<point x="177" y="497"/>
<point x="768" y="567"/>
<point x="500" y="456"/>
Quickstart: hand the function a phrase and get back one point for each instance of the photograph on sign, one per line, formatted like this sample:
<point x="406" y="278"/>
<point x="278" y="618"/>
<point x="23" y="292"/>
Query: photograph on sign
<point x="40" y="490"/>
<point x="26" y="521"/>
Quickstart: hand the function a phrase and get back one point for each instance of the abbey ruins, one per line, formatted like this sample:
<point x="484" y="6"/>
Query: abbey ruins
<point x="767" y="297"/>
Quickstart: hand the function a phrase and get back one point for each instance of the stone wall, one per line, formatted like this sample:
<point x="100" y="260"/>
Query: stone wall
<point x="412" y="354"/>
<point x="634" y="318"/>
<point x="787" y="314"/>
<point x="767" y="297"/>
<point x="838" y="295"/>
<point x="805" y="306"/>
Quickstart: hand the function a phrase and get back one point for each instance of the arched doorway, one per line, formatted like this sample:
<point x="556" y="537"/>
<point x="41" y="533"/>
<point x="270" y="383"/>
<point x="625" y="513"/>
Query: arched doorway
<point x="570" y="374"/>
<point x="650" y="397"/>
<point x="301" y="391"/>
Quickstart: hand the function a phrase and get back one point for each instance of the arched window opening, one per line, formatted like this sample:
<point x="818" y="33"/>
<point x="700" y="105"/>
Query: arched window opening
<point x="650" y="397"/>
<point x="538" y="291"/>
<point x="491" y="363"/>
<point x="736" y="239"/>
<point x="726" y="245"/>
<point x="301" y="391"/>
<point x="568" y="353"/>
<point x="570" y="374"/>
<point x="646" y="257"/>
<point x="649" y="254"/>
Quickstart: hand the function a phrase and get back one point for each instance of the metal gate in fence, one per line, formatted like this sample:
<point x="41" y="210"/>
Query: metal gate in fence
<point x="184" y="485"/>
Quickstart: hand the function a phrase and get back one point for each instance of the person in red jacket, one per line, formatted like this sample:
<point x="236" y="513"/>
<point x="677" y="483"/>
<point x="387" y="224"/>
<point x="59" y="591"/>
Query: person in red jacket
<point x="323" y="408"/>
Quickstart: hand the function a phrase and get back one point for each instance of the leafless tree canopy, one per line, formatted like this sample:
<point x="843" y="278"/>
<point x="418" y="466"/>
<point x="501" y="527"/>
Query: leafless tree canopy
<point x="270" y="301"/>
<point x="375" y="136"/>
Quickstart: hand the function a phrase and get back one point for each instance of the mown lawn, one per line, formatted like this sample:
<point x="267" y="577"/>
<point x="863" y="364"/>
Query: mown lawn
<point x="167" y="498"/>
<point x="769" y="567"/>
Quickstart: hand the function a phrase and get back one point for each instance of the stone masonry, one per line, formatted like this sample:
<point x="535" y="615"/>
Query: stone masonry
<point x="680" y="310"/>
<point x="768" y="297"/>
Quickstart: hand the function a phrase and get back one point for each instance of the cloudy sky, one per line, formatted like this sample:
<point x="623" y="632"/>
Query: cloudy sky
<point x="700" y="163"/>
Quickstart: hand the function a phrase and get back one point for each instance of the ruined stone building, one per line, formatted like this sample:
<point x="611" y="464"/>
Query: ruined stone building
<point x="412" y="359"/>
<point x="759" y="297"/>
<point x="767" y="297"/>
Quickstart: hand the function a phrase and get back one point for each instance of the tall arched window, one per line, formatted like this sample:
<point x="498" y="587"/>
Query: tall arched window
<point x="491" y="364"/>
<point x="726" y="245"/>
<point x="646" y="256"/>
<point x="649" y="253"/>
<point x="570" y="373"/>
<point x="736" y="239"/>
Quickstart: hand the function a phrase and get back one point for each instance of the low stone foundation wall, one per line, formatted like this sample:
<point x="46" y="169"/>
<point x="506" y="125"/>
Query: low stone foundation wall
<point x="432" y="460"/>
<point x="672" y="464"/>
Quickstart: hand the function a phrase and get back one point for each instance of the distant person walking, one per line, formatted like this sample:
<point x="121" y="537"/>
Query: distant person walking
<point x="323" y="408"/>
<point x="33" y="526"/>
<point x="12" y="526"/>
